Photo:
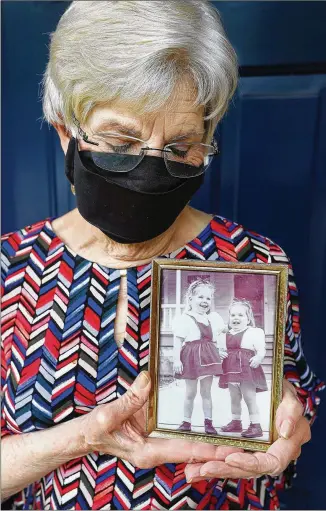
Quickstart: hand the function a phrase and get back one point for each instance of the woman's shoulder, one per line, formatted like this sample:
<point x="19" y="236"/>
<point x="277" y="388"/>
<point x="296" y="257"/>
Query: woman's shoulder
<point x="29" y="231"/>
<point x="14" y="241"/>
<point x="17" y="246"/>
<point x="231" y="238"/>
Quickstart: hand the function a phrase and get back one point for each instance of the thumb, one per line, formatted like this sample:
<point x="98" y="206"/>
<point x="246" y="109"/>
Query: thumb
<point x="289" y="412"/>
<point x="112" y="415"/>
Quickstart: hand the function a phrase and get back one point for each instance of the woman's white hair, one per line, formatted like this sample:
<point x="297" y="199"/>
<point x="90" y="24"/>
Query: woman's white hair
<point x="138" y="52"/>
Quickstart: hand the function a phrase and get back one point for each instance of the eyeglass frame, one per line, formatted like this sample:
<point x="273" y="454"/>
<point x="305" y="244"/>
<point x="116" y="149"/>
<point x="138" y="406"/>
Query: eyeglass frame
<point x="86" y="139"/>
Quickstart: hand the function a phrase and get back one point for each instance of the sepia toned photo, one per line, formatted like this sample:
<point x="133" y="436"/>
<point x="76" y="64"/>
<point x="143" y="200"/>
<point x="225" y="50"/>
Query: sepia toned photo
<point x="215" y="350"/>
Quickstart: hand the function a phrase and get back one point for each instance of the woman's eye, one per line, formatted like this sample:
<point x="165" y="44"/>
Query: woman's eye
<point x="180" y="151"/>
<point x="121" y="148"/>
<point x="116" y="145"/>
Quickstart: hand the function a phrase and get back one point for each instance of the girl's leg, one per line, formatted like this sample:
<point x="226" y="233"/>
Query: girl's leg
<point x="248" y="390"/>
<point x="236" y="397"/>
<point x="191" y="391"/>
<point x="206" y="396"/>
<point x="235" y="426"/>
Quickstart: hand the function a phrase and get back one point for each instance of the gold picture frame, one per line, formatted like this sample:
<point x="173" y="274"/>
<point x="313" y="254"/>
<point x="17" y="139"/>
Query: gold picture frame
<point x="264" y="287"/>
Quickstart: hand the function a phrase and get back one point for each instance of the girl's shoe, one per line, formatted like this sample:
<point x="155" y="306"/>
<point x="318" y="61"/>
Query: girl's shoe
<point x="209" y="428"/>
<point x="253" y="431"/>
<point x="235" y="426"/>
<point x="185" y="426"/>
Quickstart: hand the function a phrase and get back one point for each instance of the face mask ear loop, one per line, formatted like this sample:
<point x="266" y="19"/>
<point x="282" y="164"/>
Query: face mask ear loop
<point x="69" y="160"/>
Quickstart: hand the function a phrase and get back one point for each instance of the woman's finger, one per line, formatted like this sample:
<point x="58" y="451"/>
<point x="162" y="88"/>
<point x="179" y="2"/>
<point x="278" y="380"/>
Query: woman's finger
<point x="278" y="456"/>
<point x="218" y="469"/>
<point x="289" y="411"/>
<point x="157" y="451"/>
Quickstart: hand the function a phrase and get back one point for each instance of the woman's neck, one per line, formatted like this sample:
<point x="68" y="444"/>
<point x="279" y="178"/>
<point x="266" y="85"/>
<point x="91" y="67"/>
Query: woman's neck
<point x="89" y="242"/>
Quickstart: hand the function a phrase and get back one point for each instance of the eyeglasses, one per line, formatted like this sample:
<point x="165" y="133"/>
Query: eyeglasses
<point x="120" y="153"/>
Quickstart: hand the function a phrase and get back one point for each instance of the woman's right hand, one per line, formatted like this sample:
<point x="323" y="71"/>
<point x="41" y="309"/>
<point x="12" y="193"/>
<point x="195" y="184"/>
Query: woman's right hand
<point x="118" y="428"/>
<point x="177" y="366"/>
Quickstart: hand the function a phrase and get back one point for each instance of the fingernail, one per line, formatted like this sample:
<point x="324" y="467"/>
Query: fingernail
<point x="287" y="428"/>
<point x="141" y="381"/>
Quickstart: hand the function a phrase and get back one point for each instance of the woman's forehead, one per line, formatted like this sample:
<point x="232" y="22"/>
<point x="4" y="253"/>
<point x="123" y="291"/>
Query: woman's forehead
<point x="180" y="112"/>
<point x="103" y="117"/>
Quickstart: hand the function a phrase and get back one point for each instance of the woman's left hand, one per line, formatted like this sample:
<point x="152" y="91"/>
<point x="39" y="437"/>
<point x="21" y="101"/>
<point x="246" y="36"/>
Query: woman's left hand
<point x="294" y="431"/>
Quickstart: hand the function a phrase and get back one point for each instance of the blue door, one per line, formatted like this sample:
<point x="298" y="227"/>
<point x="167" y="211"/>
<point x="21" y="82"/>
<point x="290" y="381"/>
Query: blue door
<point x="271" y="173"/>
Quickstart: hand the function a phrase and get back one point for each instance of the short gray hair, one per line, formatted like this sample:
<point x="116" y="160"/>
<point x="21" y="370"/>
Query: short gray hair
<point x="137" y="52"/>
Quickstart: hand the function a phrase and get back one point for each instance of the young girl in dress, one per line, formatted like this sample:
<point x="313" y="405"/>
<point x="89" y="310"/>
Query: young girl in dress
<point x="196" y="356"/>
<point x="242" y="372"/>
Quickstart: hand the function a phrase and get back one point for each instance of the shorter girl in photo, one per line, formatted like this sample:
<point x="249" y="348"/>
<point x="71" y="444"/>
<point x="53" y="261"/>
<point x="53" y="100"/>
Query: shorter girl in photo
<point x="242" y="374"/>
<point x="196" y="356"/>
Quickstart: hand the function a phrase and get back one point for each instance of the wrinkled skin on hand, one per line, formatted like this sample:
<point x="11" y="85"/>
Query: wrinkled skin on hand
<point x="294" y="431"/>
<point x="118" y="428"/>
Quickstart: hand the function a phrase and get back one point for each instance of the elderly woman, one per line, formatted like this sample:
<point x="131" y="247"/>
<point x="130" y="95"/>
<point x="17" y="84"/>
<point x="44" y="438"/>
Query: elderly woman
<point x="135" y="90"/>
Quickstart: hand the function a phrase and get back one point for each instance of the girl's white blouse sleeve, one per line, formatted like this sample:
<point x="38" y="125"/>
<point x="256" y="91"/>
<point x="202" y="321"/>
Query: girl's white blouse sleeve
<point x="254" y="338"/>
<point x="218" y="329"/>
<point x="181" y="326"/>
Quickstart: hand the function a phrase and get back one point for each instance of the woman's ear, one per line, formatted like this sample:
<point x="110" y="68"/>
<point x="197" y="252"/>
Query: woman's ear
<point x="64" y="135"/>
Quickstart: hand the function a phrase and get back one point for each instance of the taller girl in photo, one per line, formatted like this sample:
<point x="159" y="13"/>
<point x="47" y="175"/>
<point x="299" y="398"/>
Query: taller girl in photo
<point x="242" y="371"/>
<point x="196" y="358"/>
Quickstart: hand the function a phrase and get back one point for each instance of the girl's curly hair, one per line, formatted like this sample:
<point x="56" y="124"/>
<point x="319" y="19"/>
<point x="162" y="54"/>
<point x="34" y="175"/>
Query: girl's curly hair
<point x="192" y="288"/>
<point x="247" y="305"/>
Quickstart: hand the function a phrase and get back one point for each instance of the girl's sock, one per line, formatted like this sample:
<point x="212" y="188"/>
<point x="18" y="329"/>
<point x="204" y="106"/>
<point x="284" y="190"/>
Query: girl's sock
<point x="236" y="417"/>
<point x="254" y="418"/>
<point x="187" y="419"/>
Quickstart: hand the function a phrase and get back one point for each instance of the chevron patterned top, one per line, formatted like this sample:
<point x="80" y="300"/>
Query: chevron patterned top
<point x="60" y="360"/>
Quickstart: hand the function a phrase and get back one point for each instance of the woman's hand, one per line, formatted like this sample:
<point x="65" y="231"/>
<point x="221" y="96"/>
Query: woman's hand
<point x="294" y="431"/>
<point x="255" y="361"/>
<point x="177" y="366"/>
<point x="118" y="428"/>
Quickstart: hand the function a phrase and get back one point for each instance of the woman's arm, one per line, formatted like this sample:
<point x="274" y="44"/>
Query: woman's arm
<point x="27" y="457"/>
<point x="116" y="428"/>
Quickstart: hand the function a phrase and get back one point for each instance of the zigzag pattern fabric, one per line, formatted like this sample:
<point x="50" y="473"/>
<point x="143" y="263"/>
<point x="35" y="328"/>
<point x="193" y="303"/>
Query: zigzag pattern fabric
<point x="60" y="360"/>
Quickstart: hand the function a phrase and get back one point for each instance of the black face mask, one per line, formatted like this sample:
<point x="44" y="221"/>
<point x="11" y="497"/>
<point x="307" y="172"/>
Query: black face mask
<point x="129" y="207"/>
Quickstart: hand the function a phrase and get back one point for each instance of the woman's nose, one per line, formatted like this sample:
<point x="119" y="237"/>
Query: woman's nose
<point x="156" y="144"/>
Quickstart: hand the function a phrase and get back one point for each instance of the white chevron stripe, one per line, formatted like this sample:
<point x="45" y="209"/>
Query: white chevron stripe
<point x="97" y="295"/>
<point x="122" y="496"/>
<point x="33" y="347"/>
<point x="16" y="291"/>
<point x="142" y="490"/>
<point x="86" y="494"/>
<point x="16" y="277"/>
<point x="36" y="332"/>
<point x="52" y="268"/>
<point x="87" y="367"/>
<point x="125" y="479"/>
<point x="98" y="286"/>
<point x="33" y="275"/>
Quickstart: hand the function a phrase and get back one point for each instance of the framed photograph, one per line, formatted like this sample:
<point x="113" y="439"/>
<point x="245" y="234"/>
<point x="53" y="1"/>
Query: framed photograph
<point x="216" y="351"/>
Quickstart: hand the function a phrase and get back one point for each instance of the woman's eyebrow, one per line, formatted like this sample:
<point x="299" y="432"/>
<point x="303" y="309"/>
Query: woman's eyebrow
<point x="129" y="130"/>
<point x="124" y="129"/>
<point x="188" y="134"/>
